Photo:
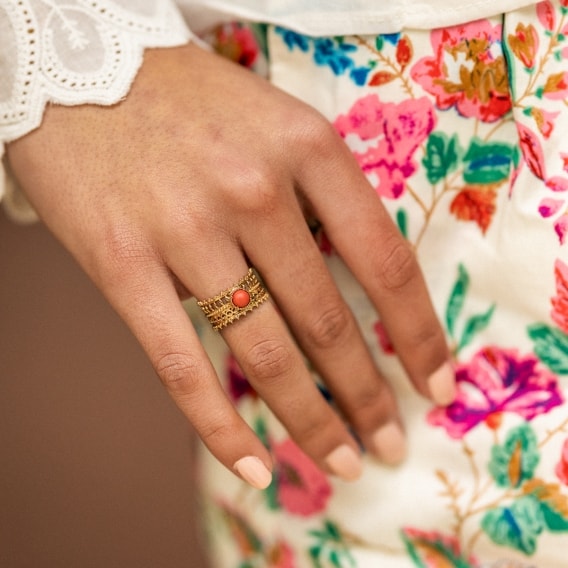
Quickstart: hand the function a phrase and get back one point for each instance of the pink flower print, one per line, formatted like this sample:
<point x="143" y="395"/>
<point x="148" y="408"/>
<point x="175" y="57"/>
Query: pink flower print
<point x="531" y="150"/>
<point x="302" y="488"/>
<point x="394" y="132"/>
<point x="544" y="121"/>
<point x="468" y="71"/>
<point x="562" y="467"/>
<point x="494" y="381"/>
<point x="281" y="555"/>
<point x="560" y="301"/>
<point x="548" y="207"/>
<point x="556" y="86"/>
<point x="557" y="183"/>
<point x="237" y="384"/>
<point x="561" y="228"/>
<point x="546" y="15"/>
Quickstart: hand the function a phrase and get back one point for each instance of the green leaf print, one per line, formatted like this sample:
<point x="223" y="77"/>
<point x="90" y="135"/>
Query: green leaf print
<point x="271" y="492"/>
<point x="474" y="325"/>
<point x="515" y="461"/>
<point x="555" y="521"/>
<point x="442" y="155"/>
<point x="517" y="526"/>
<point x="330" y="549"/>
<point x="457" y="298"/>
<point x="553" y="504"/>
<point x="402" y="222"/>
<point x="487" y="162"/>
<point x="551" y="346"/>
<point x="432" y="549"/>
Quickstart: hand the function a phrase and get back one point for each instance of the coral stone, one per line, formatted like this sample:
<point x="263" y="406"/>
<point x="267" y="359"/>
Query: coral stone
<point x="240" y="298"/>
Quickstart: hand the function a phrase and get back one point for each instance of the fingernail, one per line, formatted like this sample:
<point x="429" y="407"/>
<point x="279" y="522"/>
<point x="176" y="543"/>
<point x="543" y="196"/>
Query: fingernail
<point x="253" y="471"/>
<point x="389" y="443"/>
<point x="442" y="385"/>
<point x="345" y="463"/>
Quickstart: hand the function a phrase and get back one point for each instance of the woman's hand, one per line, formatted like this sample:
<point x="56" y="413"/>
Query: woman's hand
<point x="203" y="169"/>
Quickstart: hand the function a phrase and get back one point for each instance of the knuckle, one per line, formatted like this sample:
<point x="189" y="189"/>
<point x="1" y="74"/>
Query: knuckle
<point x="217" y="432"/>
<point x="430" y="338"/>
<point x="399" y="267"/>
<point x="331" y="327"/>
<point x="314" y="135"/>
<point x="123" y="246"/>
<point x="255" y="190"/>
<point x="269" y="360"/>
<point x="179" y="372"/>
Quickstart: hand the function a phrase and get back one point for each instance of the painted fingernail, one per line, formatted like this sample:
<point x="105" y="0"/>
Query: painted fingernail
<point x="345" y="463"/>
<point x="389" y="443"/>
<point x="254" y="472"/>
<point x="442" y="385"/>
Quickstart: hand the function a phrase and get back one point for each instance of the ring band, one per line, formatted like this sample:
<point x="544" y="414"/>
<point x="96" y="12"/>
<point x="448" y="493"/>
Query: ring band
<point x="234" y="302"/>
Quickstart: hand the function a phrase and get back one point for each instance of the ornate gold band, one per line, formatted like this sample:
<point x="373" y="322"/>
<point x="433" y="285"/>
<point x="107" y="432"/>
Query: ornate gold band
<point x="234" y="302"/>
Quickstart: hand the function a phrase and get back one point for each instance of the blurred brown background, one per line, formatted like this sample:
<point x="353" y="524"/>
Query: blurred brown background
<point x="95" y="460"/>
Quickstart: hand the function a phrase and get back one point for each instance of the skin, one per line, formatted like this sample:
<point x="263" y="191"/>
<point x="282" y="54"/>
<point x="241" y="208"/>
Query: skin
<point x="202" y="170"/>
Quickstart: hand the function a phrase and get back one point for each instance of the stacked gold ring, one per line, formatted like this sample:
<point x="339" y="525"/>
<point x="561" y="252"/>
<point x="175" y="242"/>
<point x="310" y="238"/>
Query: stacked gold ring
<point x="234" y="302"/>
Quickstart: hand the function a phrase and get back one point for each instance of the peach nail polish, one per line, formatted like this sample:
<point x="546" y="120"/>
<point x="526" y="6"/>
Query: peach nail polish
<point x="442" y="385"/>
<point x="389" y="443"/>
<point x="345" y="463"/>
<point x="253" y="471"/>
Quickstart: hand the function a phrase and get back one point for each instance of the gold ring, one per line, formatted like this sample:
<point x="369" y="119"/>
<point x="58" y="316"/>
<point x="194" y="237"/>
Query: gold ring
<point x="234" y="302"/>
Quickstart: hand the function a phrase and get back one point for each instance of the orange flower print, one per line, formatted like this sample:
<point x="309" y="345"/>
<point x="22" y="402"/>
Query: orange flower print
<point x="562" y="467"/>
<point x="468" y="71"/>
<point x="560" y="301"/>
<point x="524" y="44"/>
<point x="473" y="204"/>
<point x="556" y="86"/>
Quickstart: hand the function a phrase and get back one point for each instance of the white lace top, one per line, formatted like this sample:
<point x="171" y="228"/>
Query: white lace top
<point x="88" y="51"/>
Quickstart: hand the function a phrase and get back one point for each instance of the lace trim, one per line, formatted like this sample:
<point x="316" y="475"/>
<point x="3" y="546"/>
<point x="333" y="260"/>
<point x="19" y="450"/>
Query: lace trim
<point x="72" y="52"/>
<point x="75" y="52"/>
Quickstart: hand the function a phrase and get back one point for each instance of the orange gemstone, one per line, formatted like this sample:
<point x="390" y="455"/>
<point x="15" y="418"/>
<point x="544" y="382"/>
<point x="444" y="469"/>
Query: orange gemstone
<point x="240" y="298"/>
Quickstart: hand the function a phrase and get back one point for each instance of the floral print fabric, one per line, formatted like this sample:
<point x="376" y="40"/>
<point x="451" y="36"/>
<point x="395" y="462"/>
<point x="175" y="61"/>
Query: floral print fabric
<point x="462" y="133"/>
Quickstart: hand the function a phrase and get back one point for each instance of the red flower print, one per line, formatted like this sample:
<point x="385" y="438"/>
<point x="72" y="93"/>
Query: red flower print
<point x="477" y="205"/>
<point x="384" y="339"/>
<point x="560" y="301"/>
<point x="394" y="132"/>
<point x="466" y="72"/>
<point x="237" y="43"/>
<point x="404" y="51"/>
<point x="494" y="381"/>
<point x="302" y="488"/>
<point x="237" y="384"/>
<point x="531" y="150"/>
<point x="281" y="555"/>
<point x="562" y="467"/>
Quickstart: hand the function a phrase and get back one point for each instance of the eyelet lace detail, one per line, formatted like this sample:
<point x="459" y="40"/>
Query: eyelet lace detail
<point x="74" y="52"/>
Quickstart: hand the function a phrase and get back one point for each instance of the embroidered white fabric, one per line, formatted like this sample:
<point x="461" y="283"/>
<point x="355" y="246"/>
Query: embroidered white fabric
<point x="72" y="52"/>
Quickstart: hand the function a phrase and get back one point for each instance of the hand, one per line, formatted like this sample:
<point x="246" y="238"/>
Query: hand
<point x="203" y="168"/>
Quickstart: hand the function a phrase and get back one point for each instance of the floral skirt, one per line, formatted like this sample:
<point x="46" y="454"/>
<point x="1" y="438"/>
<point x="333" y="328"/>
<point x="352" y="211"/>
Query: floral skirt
<point x="463" y="133"/>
